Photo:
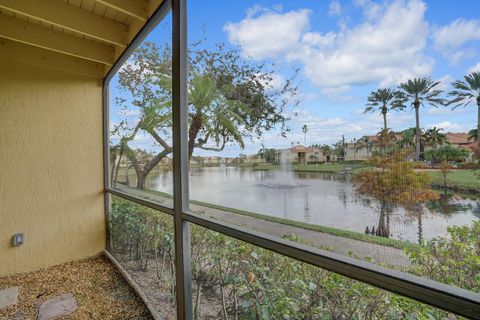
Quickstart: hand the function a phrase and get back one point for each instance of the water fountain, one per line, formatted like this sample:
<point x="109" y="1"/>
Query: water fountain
<point x="283" y="178"/>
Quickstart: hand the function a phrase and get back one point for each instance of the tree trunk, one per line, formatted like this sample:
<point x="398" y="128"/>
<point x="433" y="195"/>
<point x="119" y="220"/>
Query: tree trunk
<point x="235" y="307"/>
<point x="117" y="168"/>
<point x="224" y="304"/>
<point x="382" y="229"/>
<point x="478" y="127"/>
<point x="195" y="127"/>
<point x="384" y="114"/>
<point x="141" y="179"/>
<point x="416" y="105"/>
<point x="420" y="227"/>
<point x="113" y="161"/>
<point x="196" y="309"/>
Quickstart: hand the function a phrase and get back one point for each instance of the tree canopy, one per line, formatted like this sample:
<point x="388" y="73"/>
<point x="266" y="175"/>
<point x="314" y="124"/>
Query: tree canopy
<point x="230" y="99"/>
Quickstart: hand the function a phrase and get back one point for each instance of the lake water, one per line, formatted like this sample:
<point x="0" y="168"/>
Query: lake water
<point x="326" y="199"/>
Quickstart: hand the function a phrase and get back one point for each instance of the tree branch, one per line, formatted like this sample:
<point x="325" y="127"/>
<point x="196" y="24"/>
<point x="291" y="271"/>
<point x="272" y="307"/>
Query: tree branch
<point x="159" y="139"/>
<point x="201" y="146"/>
<point x="152" y="163"/>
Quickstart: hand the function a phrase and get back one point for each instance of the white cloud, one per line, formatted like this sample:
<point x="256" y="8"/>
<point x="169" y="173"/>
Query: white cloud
<point x="451" y="38"/>
<point x="445" y="82"/>
<point x="330" y="130"/>
<point x="381" y="51"/>
<point x="309" y="96"/>
<point x="447" y="126"/>
<point x="270" y="34"/>
<point x="128" y="112"/>
<point x="337" y="94"/>
<point x="457" y="33"/>
<point x="335" y="8"/>
<point x="475" y="68"/>
<point x="275" y="82"/>
<point x="254" y="10"/>
<point x="371" y="10"/>
<point x="444" y="111"/>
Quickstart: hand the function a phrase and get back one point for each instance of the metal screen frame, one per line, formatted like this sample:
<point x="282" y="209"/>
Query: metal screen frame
<point x="449" y="298"/>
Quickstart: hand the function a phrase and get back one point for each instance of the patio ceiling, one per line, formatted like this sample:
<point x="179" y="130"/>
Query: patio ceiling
<point x="79" y="36"/>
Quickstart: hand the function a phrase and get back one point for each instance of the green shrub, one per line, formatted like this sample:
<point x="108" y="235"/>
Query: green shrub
<point x="454" y="260"/>
<point x="242" y="281"/>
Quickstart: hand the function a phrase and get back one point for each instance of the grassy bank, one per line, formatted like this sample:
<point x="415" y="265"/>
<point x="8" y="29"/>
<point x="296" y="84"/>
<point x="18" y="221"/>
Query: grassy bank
<point x="328" y="230"/>
<point x="458" y="178"/>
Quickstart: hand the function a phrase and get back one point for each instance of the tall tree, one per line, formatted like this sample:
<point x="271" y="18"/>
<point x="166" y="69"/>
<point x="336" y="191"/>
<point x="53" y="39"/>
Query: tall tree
<point x="385" y="139"/>
<point x="407" y="138"/>
<point x="395" y="185"/>
<point x="384" y="100"/>
<point x="420" y="91"/>
<point x="145" y="83"/>
<point x="230" y="99"/>
<point x="305" y="130"/>
<point x="433" y="137"/>
<point x="242" y="102"/>
<point x="473" y="135"/>
<point x="467" y="91"/>
<point x="339" y="148"/>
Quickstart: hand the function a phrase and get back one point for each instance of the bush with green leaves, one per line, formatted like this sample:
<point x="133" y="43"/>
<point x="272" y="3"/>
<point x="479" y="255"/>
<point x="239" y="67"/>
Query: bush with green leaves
<point x="446" y="153"/>
<point x="235" y="280"/>
<point x="454" y="260"/>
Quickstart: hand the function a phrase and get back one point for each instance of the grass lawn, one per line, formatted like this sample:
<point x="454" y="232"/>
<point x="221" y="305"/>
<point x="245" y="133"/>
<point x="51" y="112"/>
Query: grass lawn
<point x="462" y="178"/>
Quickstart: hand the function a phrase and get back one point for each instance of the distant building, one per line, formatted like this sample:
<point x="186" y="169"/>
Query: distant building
<point x="254" y="159"/>
<point x="303" y="155"/>
<point x="460" y="140"/>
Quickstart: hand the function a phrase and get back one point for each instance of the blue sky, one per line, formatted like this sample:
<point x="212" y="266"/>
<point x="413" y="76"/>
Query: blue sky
<point x="344" y="49"/>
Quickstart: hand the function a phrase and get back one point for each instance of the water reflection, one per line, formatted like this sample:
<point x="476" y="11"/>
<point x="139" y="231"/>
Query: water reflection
<point x="324" y="199"/>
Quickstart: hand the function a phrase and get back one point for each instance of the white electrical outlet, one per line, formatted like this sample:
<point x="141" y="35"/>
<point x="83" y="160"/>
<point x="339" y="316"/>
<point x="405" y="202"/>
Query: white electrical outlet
<point x="18" y="239"/>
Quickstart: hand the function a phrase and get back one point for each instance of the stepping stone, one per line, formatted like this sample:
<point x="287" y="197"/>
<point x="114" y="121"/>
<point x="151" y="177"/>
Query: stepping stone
<point x="8" y="297"/>
<point x="18" y="316"/>
<point x="57" y="307"/>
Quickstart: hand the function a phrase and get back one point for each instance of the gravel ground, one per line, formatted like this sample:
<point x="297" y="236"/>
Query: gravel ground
<point x="100" y="290"/>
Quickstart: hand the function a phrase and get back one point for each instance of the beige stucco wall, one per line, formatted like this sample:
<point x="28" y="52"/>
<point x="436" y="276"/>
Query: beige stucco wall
<point x="50" y="167"/>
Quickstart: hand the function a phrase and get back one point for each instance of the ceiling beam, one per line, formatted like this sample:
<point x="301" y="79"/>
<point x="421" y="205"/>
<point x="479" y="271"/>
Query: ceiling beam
<point x="133" y="8"/>
<point x="32" y="55"/>
<point x="63" y="15"/>
<point x="152" y="6"/>
<point x="36" y="35"/>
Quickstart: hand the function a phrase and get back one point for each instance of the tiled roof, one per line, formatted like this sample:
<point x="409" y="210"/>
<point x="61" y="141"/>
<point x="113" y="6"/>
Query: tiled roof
<point x="458" y="138"/>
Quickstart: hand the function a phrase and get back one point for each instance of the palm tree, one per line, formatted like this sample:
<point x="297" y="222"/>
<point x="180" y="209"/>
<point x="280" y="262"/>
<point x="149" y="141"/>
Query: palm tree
<point x="305" y="130"/>
<point x="385" y="138"/>
<point x="465" y="92"/>
<point x="433" y="137"/>
<point x="473" y="135"/>
<point x="326" y="151"/>
<point x="383" y="100"/>
<point x="407" y="138"/>
<point x="364" y="143"/>
<point x="420" y="90"/>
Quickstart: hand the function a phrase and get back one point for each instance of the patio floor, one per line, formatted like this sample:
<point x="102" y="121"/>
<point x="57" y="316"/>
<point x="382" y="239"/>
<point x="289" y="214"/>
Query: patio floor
<point x="99" y="289"/>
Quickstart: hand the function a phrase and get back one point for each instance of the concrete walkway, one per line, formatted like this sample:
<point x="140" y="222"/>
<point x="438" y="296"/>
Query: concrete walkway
<point x="350" y="247"/>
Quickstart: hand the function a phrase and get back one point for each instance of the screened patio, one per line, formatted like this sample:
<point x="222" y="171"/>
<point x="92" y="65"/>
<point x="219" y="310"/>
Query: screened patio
<point x="66" y="194"/>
